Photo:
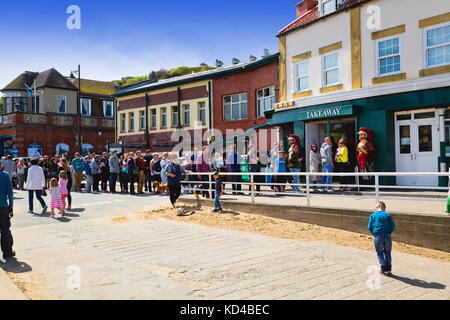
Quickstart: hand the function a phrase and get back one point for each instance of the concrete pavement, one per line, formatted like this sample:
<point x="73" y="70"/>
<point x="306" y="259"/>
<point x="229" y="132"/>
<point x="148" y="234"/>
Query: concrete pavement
<point x="93" y="256"/>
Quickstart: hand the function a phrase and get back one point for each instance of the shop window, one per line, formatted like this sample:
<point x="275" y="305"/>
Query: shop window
<point x="235" y="107"/>
<point x="331" y="69"/>
<point x="85" y="107"/>
<point x="266" y="100"/>
<point x="123" y="123"/>
<point x="62" y="104"/>
<point x="426" y="138"/>
<point x="405" y="139"/>
<point x="424" y="115"/>
<point x="437" y="46"/>
<point x="388" y="56"/>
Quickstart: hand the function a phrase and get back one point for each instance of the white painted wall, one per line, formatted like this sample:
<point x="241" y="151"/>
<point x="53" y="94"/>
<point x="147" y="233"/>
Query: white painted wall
<point x="392" y="14"/>
<point x="320" y="34"/>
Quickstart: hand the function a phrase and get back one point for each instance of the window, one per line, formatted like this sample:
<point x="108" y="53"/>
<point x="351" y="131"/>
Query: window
<point x="388" y="52"/>
<point x="164" y="117"/>
<point x="187" y="115"/>
<point x="20" y="104"/>
<point x="266" y="100"/>
<point x="142" y="123"/>
<point x="108" y="109"/>
<point x="235" y="107"/>
<point x="153" y="115"/>
<point x="438" y="46"/>
<point x="131" y="122"/>
<point x="327" y="6"/>
<point x="123" y="123"/>
<point x="62" y="104"/>
<point x="8" y="103"/>
<point x="302" y="76"/>
<point x="175" y="117"/>
<point x="85" y="107"/>
<point x="331" y="69"/>
<point x="202" y="112"/>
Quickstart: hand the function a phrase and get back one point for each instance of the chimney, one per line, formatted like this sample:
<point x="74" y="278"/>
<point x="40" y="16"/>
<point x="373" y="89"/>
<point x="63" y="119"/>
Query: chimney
<point x="236" y="61"/>
<point x="253" y="58"/>
<point x="305" y="6"/>
<point x="266" y="53"/>
<point x="219" y="63"/>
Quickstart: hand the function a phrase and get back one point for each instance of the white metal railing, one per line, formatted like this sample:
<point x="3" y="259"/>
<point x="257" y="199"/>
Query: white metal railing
<point x="193" y="183"/>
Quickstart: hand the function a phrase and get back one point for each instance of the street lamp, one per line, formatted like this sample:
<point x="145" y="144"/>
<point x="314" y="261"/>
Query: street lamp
<point x="78" y="105"/>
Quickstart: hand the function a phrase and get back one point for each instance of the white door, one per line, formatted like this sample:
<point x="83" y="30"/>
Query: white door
<point x="417" y="149"/>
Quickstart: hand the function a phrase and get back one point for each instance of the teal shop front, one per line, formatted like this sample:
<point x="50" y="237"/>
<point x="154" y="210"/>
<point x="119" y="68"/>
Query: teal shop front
<point x="411" y="130"/>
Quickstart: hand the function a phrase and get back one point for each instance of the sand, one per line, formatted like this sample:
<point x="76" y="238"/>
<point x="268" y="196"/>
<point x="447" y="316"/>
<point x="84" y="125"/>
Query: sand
<point x="231" y="220"/>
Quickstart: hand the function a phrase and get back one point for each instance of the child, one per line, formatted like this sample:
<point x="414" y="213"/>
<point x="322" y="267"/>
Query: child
<point x="56" y="202"/>
<point x="280" y="167"/>
<point x="219" y="192"/>
<point x="381" y="225"/>
<point x="63" y="180"/>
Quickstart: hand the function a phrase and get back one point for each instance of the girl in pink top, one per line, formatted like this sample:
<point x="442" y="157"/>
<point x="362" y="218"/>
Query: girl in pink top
<point x="63" y="180"/>
<point x="56" y="203"/>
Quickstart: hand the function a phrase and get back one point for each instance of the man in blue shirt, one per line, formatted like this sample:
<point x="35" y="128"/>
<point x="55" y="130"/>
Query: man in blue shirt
<point x="6" y="213"/>
<point x="381" y="226"/>
<point x="174" y="173"/>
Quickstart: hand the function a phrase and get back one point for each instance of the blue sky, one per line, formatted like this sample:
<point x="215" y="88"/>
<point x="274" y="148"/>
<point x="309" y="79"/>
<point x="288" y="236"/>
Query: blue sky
<point x="131" y="38"/>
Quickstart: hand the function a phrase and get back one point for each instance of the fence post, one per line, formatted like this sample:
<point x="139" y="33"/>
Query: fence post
<point x="308" y="194"/>
<point x="377" y="188"/>
<point x="253" y="187"/>
<point x="210" y="186"/>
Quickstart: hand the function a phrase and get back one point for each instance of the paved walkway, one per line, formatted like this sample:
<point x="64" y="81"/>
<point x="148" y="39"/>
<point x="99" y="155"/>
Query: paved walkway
<point x="161" y="259"/>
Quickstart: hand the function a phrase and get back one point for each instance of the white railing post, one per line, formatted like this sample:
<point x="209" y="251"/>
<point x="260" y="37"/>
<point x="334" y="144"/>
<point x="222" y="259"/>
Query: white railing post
<point x="308" y="194"/>
<point x="377" y="188"/>
<point x="253" y="187"/>
<point x="210" y="186"/>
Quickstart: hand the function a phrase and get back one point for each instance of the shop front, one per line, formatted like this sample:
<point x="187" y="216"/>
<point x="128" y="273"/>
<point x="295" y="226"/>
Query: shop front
<point x="411" y="131"/>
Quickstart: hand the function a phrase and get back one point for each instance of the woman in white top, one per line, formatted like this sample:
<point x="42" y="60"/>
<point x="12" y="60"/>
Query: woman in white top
<point x="21" y="174"/>
<point x="35" y="184"/>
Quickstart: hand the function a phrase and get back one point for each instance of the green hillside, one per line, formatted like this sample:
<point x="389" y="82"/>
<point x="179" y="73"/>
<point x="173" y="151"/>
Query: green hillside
<point x="162" y="74"/>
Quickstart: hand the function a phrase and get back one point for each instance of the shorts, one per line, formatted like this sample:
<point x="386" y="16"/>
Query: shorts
<point x="64" y="196"/>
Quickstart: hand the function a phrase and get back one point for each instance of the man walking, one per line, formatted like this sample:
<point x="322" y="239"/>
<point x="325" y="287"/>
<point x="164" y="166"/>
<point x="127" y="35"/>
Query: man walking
<point x="114" y="168"/>
<point x="174" y="173"/>
<point x="78" y="168"/>
<point x="327" y="163"/>
<point x="6" y="213"/>
<point x="381" y="225"/>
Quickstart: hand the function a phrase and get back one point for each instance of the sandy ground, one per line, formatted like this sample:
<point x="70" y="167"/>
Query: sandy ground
<point x="284" y="229"/>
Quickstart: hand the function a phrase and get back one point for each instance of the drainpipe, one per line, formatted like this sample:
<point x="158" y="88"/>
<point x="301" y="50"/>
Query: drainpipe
<point x="442" y="164"/>
<point x="210" y="106"/>
<point x="146" y="122"/>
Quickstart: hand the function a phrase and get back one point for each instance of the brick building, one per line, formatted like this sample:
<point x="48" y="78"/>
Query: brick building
<point x="150" y="114"/>
<point x="41" y="115"/>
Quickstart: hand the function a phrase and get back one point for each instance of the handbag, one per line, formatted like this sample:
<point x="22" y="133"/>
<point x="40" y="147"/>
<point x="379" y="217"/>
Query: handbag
<point x="135" y="171"/>
<point x="44" y="193"/>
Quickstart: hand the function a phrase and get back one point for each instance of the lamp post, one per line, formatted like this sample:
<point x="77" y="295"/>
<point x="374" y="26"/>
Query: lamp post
<point x="79" y="107"/>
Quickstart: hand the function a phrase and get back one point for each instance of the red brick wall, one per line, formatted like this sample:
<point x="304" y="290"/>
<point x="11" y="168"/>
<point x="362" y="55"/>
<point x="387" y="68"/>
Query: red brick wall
<point x="249" y="82"/>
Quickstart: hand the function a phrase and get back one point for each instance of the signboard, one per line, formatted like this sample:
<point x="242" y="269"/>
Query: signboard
<point x="325" y="112"/>
<point x="61" y="149"/>
<point x="12" y="94"/>
<point x="14" y="152"/>
<point x="34" y="150"/>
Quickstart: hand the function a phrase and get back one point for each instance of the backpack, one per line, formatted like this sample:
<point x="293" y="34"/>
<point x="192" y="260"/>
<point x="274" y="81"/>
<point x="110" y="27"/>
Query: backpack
<point x="157" y="166"/>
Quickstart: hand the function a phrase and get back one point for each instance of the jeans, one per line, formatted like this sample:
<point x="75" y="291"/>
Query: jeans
<point x="148" y="181"/>
<point x="296" y="180"/>
<point x="256" y="179"/>
<point x="38" y="196"/>
<point x="327" y="168"/>
<point x="112" y="181"/>
<point x="175" y="192"/>
<point x="89" y="182"/>
<point x="6" y="238"/>
<point x="383" y="246"/>
<point x="217" y="205"/>
<point x="236" y="187"/>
